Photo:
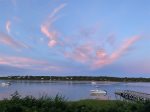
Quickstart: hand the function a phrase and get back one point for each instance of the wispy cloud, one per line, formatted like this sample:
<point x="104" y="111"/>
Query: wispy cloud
<point x="105" y="59"/>
<point x="47" y="27"/>
<point x="80" y="53"/>
<point x="101" y="53"/>
<point x="8" y="25"/>
<point x="19" y="61"/>
<point x="9" y="41"/>
<point x="97" y="55"/>
<point x="27" y="63"/>
<point x="57" y="9"/>
<point x="51" y="34"/>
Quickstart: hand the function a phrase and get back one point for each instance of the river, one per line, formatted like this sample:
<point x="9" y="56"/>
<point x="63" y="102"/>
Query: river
<point x="71" y="90"/>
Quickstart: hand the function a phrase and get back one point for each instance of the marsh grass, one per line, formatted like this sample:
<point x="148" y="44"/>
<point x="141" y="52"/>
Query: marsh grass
<point x="60" y="104"/>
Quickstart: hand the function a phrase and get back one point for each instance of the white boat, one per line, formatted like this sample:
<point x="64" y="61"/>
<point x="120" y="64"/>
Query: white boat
<point x="3" y="84"/>
<point x="98" y="92"/>
<point x="93" y="83"/>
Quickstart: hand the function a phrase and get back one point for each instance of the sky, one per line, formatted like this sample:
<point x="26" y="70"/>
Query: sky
<point x="75" y="37"/>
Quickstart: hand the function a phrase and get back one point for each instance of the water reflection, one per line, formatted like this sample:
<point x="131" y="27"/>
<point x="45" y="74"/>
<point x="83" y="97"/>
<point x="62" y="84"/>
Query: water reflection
<point x="72" y="90"/>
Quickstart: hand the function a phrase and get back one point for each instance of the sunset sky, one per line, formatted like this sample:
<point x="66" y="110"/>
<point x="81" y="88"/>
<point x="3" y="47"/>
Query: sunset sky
<point x="75" y="37"/>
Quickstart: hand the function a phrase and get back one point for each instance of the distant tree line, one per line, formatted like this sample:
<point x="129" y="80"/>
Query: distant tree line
<point x="77" y="78"/>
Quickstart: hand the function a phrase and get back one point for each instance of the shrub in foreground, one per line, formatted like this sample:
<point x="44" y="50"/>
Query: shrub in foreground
<point x="60" y="104"/>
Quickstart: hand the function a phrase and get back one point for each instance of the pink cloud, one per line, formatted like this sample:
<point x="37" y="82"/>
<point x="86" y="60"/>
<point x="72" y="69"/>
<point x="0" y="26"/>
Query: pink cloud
<point x="81" y="53"/>
<point x="125" y="47"/>
<point x="45" y="31"/>
<point x="48" y="30"/>
<point x="93" y="52"/>
<point x="52" y="43"/>
<point x="7" y="40"/>
<point x="28" y="63"/>
<point x="98" y="56"/>
<point x="56" y="10"/>
<point x="51" y="35"/>
<point x="8" y="24"/>
<point x="20" y="61"/>
<point x="109" y="59"/>
<point x="101" y="53"/>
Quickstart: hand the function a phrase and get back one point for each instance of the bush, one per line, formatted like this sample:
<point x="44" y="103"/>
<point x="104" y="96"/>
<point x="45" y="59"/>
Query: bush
<point x="60" y="104"/>
<point x="13" y="108"/>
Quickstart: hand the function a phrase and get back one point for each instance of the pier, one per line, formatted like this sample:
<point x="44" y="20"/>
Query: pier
<point x="133" y="95"/>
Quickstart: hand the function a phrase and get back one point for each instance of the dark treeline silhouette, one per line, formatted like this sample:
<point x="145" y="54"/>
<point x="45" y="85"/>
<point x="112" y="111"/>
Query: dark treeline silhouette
<point x="77" y="78"/>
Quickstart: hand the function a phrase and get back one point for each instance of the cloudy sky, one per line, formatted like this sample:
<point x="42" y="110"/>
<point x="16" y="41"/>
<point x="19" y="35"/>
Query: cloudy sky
<point x="75" y="37"/>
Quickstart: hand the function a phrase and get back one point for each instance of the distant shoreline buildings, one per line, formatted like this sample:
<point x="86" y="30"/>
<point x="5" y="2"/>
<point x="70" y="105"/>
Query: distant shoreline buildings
<point x="77" y="78"/>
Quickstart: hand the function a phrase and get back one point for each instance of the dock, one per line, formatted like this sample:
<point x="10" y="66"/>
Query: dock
<point x="133" y="95"/>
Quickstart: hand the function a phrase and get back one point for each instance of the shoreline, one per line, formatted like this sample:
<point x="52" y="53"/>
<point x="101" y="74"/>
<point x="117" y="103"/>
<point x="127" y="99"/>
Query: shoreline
<point x="77" y="81"/>
<point x="78" y="78"/>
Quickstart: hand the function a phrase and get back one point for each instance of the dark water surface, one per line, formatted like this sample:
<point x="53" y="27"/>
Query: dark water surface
<point x="72" y="90"/>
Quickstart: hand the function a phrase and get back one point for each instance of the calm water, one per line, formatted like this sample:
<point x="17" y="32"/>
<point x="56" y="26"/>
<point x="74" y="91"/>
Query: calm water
<point x="71" y="90"/>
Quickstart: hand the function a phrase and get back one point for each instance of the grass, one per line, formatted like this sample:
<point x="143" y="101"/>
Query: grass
<point x="109" y="106"/>
<point x="60" y="104"/>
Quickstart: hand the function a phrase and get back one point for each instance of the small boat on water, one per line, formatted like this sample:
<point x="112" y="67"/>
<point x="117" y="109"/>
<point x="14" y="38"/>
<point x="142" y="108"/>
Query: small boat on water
<point x="98" y="92"/>
<point x="3" y="84"/>
<point x="93" y="82"/>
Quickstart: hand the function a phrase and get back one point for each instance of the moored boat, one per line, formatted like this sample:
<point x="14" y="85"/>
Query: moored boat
<point x="3" y="84"/>
<point x="93" y="82"/>
<point x="98" y="92"/>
